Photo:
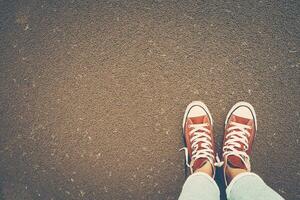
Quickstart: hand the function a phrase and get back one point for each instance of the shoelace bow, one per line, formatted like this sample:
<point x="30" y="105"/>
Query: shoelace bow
<point x="236" y="137"/>
<point x="199" y="132"/>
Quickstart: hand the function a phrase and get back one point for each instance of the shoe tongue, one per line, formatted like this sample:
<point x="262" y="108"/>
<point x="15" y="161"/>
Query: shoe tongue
<point x="235" y="162"/>
<point x="199" y="163"/>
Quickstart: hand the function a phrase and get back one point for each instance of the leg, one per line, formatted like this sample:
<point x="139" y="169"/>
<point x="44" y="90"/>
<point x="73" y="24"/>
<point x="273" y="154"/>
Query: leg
<point x="200" y="151"/>
<point x="240" y="129"/>
<point x="200" y="186"/>
<point x="248" y="186"/>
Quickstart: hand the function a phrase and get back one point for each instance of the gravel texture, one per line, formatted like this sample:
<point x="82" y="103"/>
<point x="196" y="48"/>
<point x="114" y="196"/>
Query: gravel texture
<point x="92" y="93"/>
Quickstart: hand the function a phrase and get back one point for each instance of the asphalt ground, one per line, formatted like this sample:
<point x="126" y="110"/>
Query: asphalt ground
<point x="92" y="93"/>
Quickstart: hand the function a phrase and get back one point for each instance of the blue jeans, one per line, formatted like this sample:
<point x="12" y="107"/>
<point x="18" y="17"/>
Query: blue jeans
<point x="245" y="186"/>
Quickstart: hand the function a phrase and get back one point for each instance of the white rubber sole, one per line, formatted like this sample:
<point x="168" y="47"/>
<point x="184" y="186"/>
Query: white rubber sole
<point x="242" y="103"/>
<point x="196" y="103"/>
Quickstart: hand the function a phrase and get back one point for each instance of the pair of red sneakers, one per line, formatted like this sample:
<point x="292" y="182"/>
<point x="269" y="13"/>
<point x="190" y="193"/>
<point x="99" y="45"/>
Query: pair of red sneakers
<point x="240" y="129"/>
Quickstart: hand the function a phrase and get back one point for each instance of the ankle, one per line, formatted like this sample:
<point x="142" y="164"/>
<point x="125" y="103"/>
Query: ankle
<point x="233" y="172"/>
<point x="206" y="168"/>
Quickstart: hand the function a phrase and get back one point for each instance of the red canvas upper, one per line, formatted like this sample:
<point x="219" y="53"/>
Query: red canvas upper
<point x="234" y="160"/>
<point x="188" y="135"/>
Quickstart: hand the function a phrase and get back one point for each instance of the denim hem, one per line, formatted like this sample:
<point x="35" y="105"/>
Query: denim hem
<point x="209" y="178"/>
<point x="237" y="178"/>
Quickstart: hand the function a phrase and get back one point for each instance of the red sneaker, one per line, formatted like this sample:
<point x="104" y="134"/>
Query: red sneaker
<point x="240" y="129"/>
<point x="198" y="136"/>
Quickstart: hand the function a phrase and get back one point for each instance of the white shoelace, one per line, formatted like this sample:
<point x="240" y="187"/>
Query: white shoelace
<point x="234" y="139"/>
<point x="200" y="135"/>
